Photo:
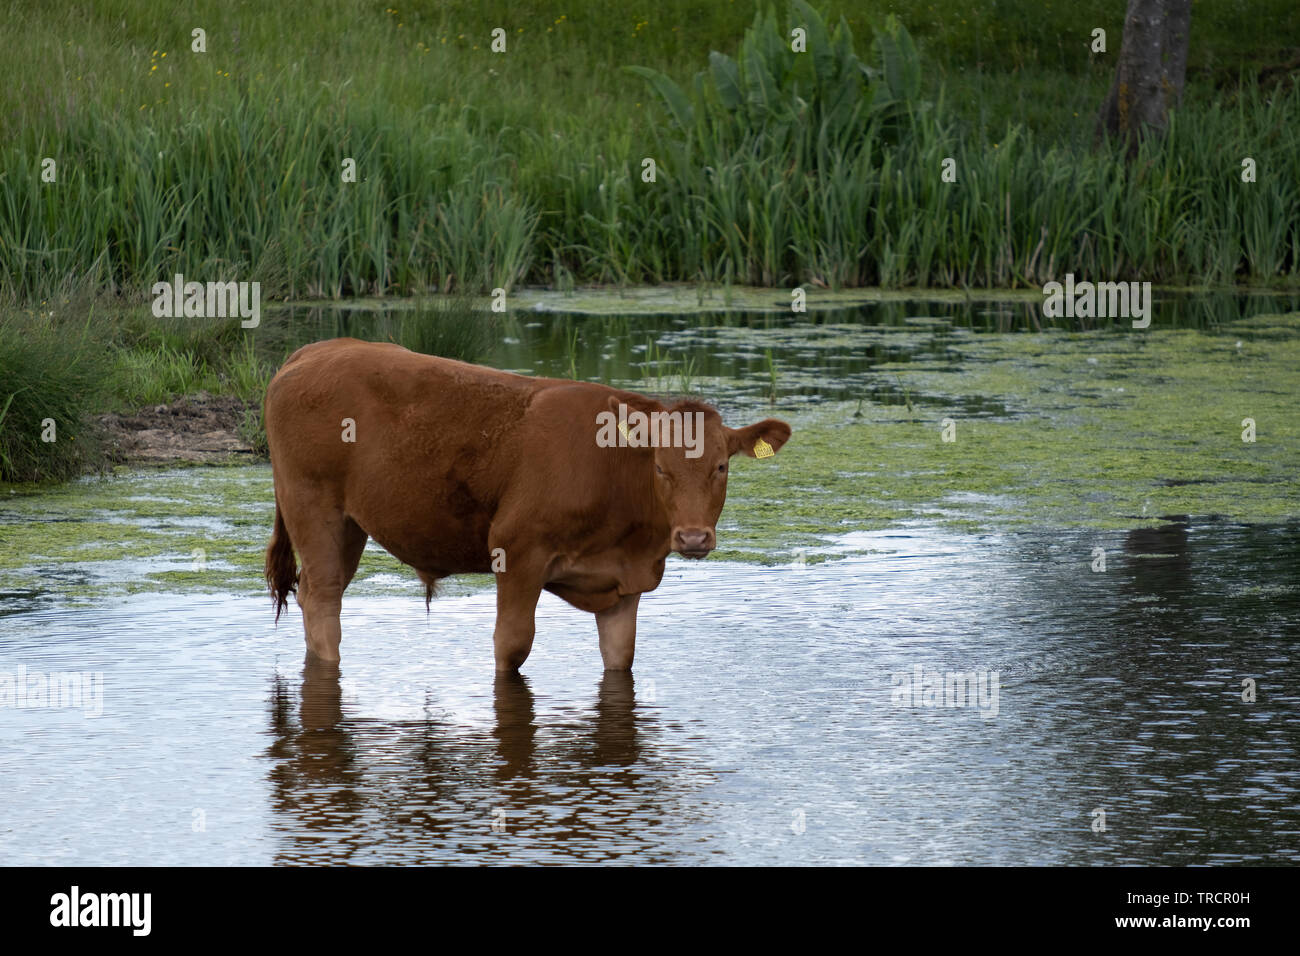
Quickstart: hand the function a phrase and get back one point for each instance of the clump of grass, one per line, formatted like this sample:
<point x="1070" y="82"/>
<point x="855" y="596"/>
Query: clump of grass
<point x="155" y="376"/>
<point x="253" y="431"/>
<point x="686" y="375"/>
<point x="257" y="192"/>
<point x="773" y="388"/>
<point x="762" y="157"/>
<point x="247" y="373"/>
<point x="906" y="392"/>
<point x="571" y="350"/>
<point x="53" y="370"/>
<point x="450" y="326"/>
<point x="653" y="360"/>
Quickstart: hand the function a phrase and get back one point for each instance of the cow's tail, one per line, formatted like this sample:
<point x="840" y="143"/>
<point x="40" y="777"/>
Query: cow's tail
<point x="281" y="568"/>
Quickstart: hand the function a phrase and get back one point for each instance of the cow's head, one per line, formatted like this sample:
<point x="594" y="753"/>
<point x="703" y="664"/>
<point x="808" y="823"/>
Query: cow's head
<point x="691" y="463"/>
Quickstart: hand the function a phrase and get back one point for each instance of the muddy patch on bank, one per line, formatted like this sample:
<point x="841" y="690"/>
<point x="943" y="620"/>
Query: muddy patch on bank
<point x="202" y="428"/>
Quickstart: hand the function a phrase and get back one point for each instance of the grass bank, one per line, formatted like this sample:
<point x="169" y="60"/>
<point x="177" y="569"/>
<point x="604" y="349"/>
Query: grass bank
<point x="478" y="170"/>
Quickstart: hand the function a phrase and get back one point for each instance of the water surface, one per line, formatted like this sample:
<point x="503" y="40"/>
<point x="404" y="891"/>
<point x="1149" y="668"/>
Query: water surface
<point x="764" y="723"/>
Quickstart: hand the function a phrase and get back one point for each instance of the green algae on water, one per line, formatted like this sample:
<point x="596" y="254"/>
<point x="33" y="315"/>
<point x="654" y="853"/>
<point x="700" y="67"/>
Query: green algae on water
<point x="1106" y="430"/>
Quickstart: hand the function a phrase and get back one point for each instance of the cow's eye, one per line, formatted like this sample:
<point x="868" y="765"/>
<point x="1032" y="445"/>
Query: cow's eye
<point x="658" y="470"/>
<point x="722" y="467"/>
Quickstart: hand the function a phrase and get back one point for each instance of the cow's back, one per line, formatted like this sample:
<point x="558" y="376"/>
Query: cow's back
<point x="428" y="454"/>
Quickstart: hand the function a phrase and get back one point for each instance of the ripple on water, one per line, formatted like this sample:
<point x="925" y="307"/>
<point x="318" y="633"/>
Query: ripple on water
<point x="761" y="725"/>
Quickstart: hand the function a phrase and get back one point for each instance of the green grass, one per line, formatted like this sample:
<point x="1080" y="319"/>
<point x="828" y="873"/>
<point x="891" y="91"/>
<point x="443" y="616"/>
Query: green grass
<point x="52" y="371"/>
<point x="477" y="170"/>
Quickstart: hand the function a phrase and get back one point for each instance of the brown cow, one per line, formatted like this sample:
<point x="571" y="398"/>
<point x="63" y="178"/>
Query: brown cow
<point x="456" y="468"/>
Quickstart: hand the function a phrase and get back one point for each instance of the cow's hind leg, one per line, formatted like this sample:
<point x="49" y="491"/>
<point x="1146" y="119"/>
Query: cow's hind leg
<point x="330" y="552"/>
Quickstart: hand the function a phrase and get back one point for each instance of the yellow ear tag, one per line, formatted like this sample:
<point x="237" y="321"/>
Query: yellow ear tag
<point x="762" y="449"/>
<point x="622" y="427"/>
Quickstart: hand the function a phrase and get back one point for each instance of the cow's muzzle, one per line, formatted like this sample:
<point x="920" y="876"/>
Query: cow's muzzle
<point x="694" y="542"/>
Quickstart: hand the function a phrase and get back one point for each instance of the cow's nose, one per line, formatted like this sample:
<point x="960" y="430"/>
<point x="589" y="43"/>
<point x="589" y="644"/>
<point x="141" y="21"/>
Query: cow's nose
<point x="693" y="542"/>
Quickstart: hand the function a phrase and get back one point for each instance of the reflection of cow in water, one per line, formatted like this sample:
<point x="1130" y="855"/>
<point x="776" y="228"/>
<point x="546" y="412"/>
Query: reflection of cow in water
<point x="456" y="469"/>
<point x="345" y="788"/>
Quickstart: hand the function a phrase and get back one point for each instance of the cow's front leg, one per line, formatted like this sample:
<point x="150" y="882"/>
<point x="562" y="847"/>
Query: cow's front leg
<point x="517" y="595"/>
<point x="617" y="627"/>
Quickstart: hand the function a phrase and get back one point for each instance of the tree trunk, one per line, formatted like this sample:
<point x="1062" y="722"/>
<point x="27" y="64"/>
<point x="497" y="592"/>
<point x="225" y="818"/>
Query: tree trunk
<point x="1151" y="70"/>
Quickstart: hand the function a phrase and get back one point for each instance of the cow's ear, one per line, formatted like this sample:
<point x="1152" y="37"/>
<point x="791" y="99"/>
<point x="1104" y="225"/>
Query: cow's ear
<point x="634" y="403"/>
<point x="760" y="440"/>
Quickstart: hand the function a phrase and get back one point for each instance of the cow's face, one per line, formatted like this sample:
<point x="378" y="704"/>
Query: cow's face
<point x="692" y="488"/>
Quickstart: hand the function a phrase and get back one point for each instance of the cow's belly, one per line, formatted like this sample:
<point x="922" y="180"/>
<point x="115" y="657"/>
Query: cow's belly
<point x="428" y="535"/>
<point x="454" y="552"/>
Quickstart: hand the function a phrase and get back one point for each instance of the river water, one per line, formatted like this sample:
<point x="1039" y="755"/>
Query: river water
<point x="778" y="714"/>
